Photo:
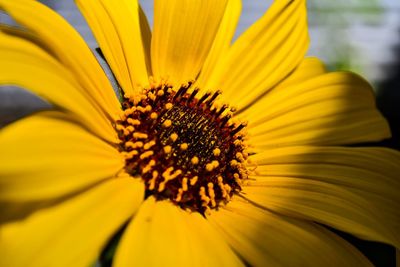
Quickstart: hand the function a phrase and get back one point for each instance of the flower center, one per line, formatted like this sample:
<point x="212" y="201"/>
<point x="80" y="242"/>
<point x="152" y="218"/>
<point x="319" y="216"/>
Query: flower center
<point x="185" y="148"/>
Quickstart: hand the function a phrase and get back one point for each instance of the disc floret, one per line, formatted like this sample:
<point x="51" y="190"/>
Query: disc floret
<point x="184" y="147"/>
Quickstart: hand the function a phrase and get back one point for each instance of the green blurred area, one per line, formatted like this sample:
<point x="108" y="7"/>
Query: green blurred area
<point x="336" y="17"/>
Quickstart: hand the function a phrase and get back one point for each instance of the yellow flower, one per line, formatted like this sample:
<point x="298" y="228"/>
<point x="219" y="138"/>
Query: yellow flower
<point x="196" y="182"/>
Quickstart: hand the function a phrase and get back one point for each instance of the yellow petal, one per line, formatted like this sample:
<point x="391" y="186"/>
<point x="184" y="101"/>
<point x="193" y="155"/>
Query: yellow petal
<point x="183" y="34"/>
<point x="221" y="46"/>
<point x="162" y="234"/>
<point x="263" y="238"/>
<point x="351" y="189"/>
<point x="123" y="36"/>
<point x="26" y="65"/>
<point x="330" y="109"/>
<point x="74" y="232"/>
<point x="69" y="48"/>
<point x="47" y="156"/>
<point x="265" y="54"/>
<point x="308" y="68"/>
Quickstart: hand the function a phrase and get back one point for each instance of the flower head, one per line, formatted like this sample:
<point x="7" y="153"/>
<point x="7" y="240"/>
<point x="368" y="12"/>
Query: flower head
<point x="219" y="154"/>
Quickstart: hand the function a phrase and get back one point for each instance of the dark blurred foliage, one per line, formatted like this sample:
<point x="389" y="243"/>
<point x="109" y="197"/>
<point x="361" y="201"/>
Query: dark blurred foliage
<point x="388" y="102"/>
<point x="388" y="98"/>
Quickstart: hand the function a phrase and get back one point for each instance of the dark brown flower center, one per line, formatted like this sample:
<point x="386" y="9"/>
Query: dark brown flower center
<point x="183" y="147"/>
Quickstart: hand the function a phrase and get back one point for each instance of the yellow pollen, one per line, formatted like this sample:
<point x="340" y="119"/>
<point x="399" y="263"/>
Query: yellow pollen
<point x="204" y="198"/>
<point x="168" y="177"/>
<point x="167" y="149"/>
<point x="129" y="111"/>
<point x="167" y="172"/>
<point x="169" y="105"/>
<point x="184" y="184"/>
<point x="149" y="166"/>
<point x="173" y="137"/>
<point x="149" y="145"/>
<point x="237" y="178"/>
<point x="228" y="188"/>
<point x="215" y="163"/>
<point x="120" y="127"/>
<point x="217" y="152"/>
<point x="210" y="167"/>
<point x="194" y="160"/>
<point x="240" y="157"/>
<point x="133" y="122"/>
<point x="131" y="154"/>
<point x="193" y="180"/>
<point x="147" y="154"/>
<point x="152" y="96"/>
<point x="234" y="163"/>
<point x="211" y="193"/>
<point x="139" y="135"/>
<point x="221" y="186"/>
<point x="153" y="115"/>
<point x="134" y="145"/>
<point x="144" y="109"/>
<point x="153" y="180"/>
<point x="179" y="196"/>
<point x="184" y="146"/>
<point x="167" y="123"/>
<point x="160" y="92"/>
<point x="237" y="142"/>
<point x="130" y="128"/>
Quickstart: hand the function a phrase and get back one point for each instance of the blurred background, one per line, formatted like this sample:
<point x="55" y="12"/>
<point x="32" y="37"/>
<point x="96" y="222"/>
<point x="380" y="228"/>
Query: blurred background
<point x="358" y="35"/>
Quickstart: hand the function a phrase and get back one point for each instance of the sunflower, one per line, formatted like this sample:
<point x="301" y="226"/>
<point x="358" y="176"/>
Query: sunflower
<point x="247" y="175"/>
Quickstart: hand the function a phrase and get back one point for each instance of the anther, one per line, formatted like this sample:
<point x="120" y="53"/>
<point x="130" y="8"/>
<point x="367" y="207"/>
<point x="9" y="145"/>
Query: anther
<point x="153" y="115"/>
<point x="149" y="145"/>
<point x="149" y="166"/>
<point x="173" y="137"/>
<point x="147" y="154"/>
<point x="139" y="135"/>
<point x="152" y="182"/>
<point x="168" y="106"/>
<point x="184" y="184"/>
<point x="194" y="160"/>
<point x="193" y="180"/>
<point x="184" y="146"/>
<point x="167" y="149"/>
<point x="216" y="152"/>
<point x="133" y="122"/>
<point x="167" y="123"/>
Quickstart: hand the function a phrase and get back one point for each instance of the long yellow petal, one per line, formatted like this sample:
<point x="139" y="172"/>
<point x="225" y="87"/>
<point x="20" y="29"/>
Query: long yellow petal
<point x="265" y="54"/>
<point x="263" y="238"/>
<point x="118" y="28"/>
<point x="183" y="34"/>
<point x="48" y="156"/>
<point x="26" y="65"/>
<point x="221" y="45"/>
<point x="330" y="109"/>
<point x="176" y="237"/>
<point x="74" y="232"/>
<point x="309" y="67"/>
<point x="351" y="189"/>
<point x="69" y="48"/>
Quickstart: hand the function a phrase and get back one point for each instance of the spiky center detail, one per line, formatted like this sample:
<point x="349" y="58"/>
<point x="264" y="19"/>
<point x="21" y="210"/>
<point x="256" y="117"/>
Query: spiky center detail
<point x="185" y="148"/>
